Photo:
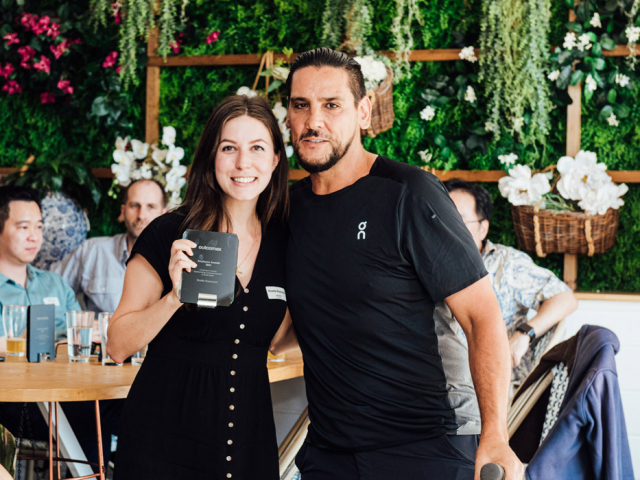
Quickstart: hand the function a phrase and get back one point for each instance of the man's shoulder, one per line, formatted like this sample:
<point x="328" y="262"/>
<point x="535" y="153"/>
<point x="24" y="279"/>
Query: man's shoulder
<point x="97" y="242"/>
<point x="412" y="178"/>
<point x="48" y="276"/>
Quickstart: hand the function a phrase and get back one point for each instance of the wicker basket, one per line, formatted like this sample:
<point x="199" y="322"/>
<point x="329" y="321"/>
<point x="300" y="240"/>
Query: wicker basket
<point x="382" y="115"/>
<point x="547" y="231"/>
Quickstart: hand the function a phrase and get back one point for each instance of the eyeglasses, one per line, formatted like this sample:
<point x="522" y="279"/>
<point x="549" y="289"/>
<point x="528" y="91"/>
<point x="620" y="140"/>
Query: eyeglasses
<point x="467" y="222"/>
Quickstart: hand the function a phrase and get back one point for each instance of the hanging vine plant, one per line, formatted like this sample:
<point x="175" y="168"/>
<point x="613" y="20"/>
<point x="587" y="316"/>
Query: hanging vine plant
<point x="136" y="18"/>
<point x="346" y="26"/>
<point x="513" y="66"/>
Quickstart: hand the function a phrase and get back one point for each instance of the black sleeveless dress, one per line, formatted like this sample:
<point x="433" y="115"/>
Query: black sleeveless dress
<point x="200" y="407"/>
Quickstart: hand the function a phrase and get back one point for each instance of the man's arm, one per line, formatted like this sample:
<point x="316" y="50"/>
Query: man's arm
<point x="477" y="310"/>
<point x="550" y="313"/>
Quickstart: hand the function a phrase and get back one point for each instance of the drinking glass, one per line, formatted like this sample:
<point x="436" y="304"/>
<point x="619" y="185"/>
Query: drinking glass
<point x="14" y="318"/>
<point x="103" y="323"/>
<point x="138" y="357"/>
<point x="79" y="329"/>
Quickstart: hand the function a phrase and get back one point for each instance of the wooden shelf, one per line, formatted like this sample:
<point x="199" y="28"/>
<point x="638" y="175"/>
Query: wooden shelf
<point x="615" y="297"/>
<point x="620" y="176"/>
<point x="433" y="55"/>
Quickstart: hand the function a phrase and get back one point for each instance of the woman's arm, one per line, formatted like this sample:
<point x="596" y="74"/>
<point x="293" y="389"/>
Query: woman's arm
<point x="285" y="338"/>
<point x="142" y="311"/>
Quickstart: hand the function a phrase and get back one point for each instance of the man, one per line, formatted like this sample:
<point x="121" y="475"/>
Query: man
<point x="376" y="258"/>
<point x="20" y="242"/>
<point x="520" y="284"/>
<point x="23" y="284"/>
<point x="96" y="267"/>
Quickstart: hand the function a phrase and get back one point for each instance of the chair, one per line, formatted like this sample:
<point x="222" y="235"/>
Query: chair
<point x="567" y="421"/>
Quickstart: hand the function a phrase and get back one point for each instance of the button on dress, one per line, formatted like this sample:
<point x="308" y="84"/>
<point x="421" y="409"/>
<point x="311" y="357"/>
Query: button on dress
<point x="200" y="407"/>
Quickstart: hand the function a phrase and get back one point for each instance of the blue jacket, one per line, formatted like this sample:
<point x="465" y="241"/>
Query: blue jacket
<point x="589" y="439"/>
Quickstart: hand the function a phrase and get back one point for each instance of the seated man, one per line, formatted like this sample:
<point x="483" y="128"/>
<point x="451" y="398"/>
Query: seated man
<point x="23" y="284"/>
<point x="96" y="267"/>
<point x="20" y="241"/>
<point x="520" y="284"/>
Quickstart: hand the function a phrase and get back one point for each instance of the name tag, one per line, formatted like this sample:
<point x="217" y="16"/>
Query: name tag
<point x="276" y="293"/>
<point x="51" y="301"/>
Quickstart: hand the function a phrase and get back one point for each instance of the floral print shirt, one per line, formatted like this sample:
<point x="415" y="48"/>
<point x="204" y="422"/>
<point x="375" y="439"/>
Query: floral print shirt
<point x="520" y="285"/>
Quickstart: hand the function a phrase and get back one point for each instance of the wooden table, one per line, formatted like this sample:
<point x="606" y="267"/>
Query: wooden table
<point x="63" y="381"/>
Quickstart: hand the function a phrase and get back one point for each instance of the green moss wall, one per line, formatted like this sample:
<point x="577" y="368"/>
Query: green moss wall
<point x="189" y="94"/>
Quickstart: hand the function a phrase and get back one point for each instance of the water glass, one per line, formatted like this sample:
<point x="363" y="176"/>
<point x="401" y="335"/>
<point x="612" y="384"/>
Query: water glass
<point x="103" y="324"/>
<point x="79" y="330"/>
<point x="138" y="357"/>
<point x="14" y="319"/>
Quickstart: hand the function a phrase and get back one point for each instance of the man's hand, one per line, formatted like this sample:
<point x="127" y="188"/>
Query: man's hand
<point x="497" y="450"/>
<point x="518" y="345"/>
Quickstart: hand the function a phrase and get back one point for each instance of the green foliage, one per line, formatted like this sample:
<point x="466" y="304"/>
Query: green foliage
<point x="101" y="109"/>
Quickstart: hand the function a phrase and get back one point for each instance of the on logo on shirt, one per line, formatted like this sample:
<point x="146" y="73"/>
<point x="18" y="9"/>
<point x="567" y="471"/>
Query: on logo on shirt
<point x="361" y="233"/>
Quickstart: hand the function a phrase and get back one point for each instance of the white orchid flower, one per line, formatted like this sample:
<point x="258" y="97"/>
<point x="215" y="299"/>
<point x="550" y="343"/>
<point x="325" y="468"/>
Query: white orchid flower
<point x="159" y="155"/>
<point x="606" y="197"/>
<point x="174" y="155"/>
<point x="280" y="73"/>
<point x="175" y="178"/>
<point x="247" y="91"/>
<point x="280" y="112"/>
<point x="168" y="136"/>
<point x="425" y="156"/>
<point x="139" y="149"/>
<point x="508" y="159"/>
<point x="286" y="133"/>
<point x="122" y="157"/>
<point x="121" y="143"/>
<point x="146" y="171"/>
<point x="175" y="200"/>
<point x="121" y="172"/>
<point x="520" y="188"/>
<point x="288" y="150"/>
<point x="622" y="79"/>
<point x="553" y="76"/>
<point x="595" y="21"/>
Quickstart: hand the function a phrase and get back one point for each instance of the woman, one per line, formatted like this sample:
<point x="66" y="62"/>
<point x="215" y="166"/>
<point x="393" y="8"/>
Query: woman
<point x="200" y="406"/>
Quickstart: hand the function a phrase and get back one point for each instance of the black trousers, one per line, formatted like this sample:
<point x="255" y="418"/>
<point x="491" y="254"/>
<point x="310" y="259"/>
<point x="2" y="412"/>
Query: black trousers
<point x="449" y="457"/>
<point x="82" y="418"/>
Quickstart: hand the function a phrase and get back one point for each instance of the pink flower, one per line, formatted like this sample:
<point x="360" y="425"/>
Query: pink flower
<point x="118" y="18"/>
<point x="213" y="37"/>
<point x="175" y="46"/>
<point x="29" y="20"/>
<point x="6" y="71"/>
<point x="110" y="61"/>
<point x="43" y="65"/>
<point x="65" y="86"/>
<point x="54" y="30"/>
<point x="47" y="97"/>
<point x="59" y="49"/>
<point x="27" y="54"/>
<point x="70" y="42"/>
<point x="11" y="38"/>
<point x="118" y="70"/>
<point x="12" y="87"/>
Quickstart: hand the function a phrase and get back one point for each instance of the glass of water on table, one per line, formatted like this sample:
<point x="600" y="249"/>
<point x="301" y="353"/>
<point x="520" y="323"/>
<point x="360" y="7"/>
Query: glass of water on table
<point x="103" y="324"/>
<point x="79" y="332"/>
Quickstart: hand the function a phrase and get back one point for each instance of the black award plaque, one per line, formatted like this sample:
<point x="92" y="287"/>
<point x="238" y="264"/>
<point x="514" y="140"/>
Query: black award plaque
<point x="41" y="332"/>
<point x="212" y="283"/>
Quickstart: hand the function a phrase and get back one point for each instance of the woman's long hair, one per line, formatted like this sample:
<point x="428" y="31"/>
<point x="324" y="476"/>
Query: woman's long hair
<point x="204" y="204"/>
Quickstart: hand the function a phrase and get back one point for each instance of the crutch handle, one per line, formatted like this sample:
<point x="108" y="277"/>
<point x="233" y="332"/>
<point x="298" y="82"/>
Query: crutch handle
<point x="492" y="471"/>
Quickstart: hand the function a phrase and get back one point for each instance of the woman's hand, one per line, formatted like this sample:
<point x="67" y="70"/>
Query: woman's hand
<point x="181" y="250"/>
<point x="518" y="345"/>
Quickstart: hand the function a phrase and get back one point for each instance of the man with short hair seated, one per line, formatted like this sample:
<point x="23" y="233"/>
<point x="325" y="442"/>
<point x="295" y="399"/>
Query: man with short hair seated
<point x="96" y="267"/>
<point x="519" y="283"/>
<point x="23" y="284"/>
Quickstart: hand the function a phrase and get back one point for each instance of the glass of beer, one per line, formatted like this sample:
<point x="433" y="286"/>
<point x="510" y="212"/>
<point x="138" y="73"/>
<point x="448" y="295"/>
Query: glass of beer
<point x="103" y="323"/>
<point x="14" y="319"/>
<point x="79" y="329"/>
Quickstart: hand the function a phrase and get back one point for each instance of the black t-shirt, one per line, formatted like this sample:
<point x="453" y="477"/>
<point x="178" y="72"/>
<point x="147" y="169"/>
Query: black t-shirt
<point x="366" y="266"/>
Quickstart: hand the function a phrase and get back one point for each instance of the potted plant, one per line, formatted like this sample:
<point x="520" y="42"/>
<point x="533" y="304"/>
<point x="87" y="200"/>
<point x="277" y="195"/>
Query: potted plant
<point x="64" y="183"/>
<point x="577" y="214"/>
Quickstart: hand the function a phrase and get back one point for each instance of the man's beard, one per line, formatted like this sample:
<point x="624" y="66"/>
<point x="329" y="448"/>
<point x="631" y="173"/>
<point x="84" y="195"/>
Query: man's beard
<point x="334" y="157"/>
